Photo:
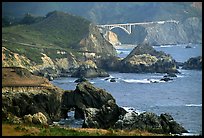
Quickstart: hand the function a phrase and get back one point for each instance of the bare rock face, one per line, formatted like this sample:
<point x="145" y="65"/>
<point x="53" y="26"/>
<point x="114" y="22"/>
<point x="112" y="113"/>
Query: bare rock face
<point x="112" y="38"/>
<point x="95" y="42"/>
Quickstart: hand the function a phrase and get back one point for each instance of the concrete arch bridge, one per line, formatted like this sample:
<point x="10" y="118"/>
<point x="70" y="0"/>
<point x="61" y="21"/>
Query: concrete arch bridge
<point x="127" y="27"/>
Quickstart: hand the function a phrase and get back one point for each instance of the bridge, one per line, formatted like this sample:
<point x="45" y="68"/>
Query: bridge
<point x="127" y="27"/>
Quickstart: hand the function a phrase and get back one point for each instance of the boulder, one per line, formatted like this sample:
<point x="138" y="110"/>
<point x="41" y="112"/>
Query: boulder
<point x="188" y="46"/>
<point x="170" y="75"/>
<point x="112" y="80"/>
<point x="39" y="118"/>
<point x="28" y="118"/>
<point x="193" y="63"/>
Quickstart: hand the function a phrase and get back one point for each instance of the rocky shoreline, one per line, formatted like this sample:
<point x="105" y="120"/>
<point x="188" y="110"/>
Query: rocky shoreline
<point x="96" y="106"/>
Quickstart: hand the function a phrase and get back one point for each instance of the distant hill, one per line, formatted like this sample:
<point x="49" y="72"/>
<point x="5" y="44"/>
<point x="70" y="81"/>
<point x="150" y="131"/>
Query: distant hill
<point x="109" y="12"/>
<point x="189" y="14"/>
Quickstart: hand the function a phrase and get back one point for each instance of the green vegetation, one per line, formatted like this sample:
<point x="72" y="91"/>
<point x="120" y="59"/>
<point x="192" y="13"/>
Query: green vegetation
<point x="57" y="131"/>
<point x="56" y="32"/>
<point x="41" y="130"/>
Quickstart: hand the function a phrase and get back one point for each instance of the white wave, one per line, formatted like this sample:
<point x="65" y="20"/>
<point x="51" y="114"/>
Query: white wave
<point x="128" y="109"/>
<point x="180" y="76"/>
<point x="132" y="109"/>
<point x="166" y="45"/>
<point x="136" y="81"/>
<point x="92" y="82"/>
<point x="189" y="134"/>
<point x="144" y="81"/>
<point x="193" y="105"/>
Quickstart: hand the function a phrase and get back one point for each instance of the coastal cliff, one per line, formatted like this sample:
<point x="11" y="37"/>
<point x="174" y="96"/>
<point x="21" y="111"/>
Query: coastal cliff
<point x="53" y="53"/>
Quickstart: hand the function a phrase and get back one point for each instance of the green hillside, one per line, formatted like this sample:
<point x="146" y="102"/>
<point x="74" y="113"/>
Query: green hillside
<point x="57" y="31"/>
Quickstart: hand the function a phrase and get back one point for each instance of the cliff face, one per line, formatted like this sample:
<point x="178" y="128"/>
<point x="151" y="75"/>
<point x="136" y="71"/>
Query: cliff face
<point x="24" y="93"/>
<point x="188" y="31"/>
<point x="12" y="59"/>
<point x="65" y="42"/>
<point x="96" y="43"/>
<point x="112" y="38"/>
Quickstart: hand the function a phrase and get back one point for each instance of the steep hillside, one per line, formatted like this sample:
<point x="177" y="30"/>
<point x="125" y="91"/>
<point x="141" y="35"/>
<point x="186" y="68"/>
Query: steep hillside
<point x="52" y="43"/>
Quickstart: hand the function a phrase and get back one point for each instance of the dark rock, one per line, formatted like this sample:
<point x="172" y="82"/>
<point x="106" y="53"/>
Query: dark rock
<point x="89" y="72"/>
<point x="171" y="126"/>
<point x="112" y="80"/>
<point x="81" y="79"/>
<point x="193" y="63"/>
<point x="24" y="103"/>
<point x="104" y="117"/>
<point x="170" y="75"/>
<point x="179" y="64"/>
<point x="109" y="63"/>
<point x="188" y="46"/>
<point x="85" y="96"/>
<point x="166" y="79"/>
<point x="150" y="122"/>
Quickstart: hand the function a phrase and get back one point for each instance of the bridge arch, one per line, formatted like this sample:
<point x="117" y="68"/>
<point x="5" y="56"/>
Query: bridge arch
<point x="123" y="28"/>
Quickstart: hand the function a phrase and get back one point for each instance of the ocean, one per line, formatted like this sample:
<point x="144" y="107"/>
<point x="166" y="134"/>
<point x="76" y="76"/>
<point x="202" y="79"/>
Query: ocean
<point x="181" y="97"/>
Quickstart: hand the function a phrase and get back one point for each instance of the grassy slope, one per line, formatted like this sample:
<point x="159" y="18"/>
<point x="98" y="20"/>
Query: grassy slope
<point x="38" y="130"/>
<point x="58" y="31"/>
<point x="21" y="77"/>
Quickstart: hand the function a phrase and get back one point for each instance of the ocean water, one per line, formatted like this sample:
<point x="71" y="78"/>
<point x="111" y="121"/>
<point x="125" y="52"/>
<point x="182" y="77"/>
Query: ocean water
<point x="181" y="97"/>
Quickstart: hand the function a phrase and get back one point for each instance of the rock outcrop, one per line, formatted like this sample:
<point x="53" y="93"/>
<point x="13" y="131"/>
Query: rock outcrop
<point x="112" y="38"/>
<point x="149" y="121"/>
<point x="193" y="63"/>
<point x="84" y="96"/>
<point x="99" y="110"/>
<point x="144" y="58"/>
<point x="89" y="70"/>
<point x="104" y="117"/>
<point x="96" y="43"/>
<point x="49" y="68"/>
<point x="24" y="93"/>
